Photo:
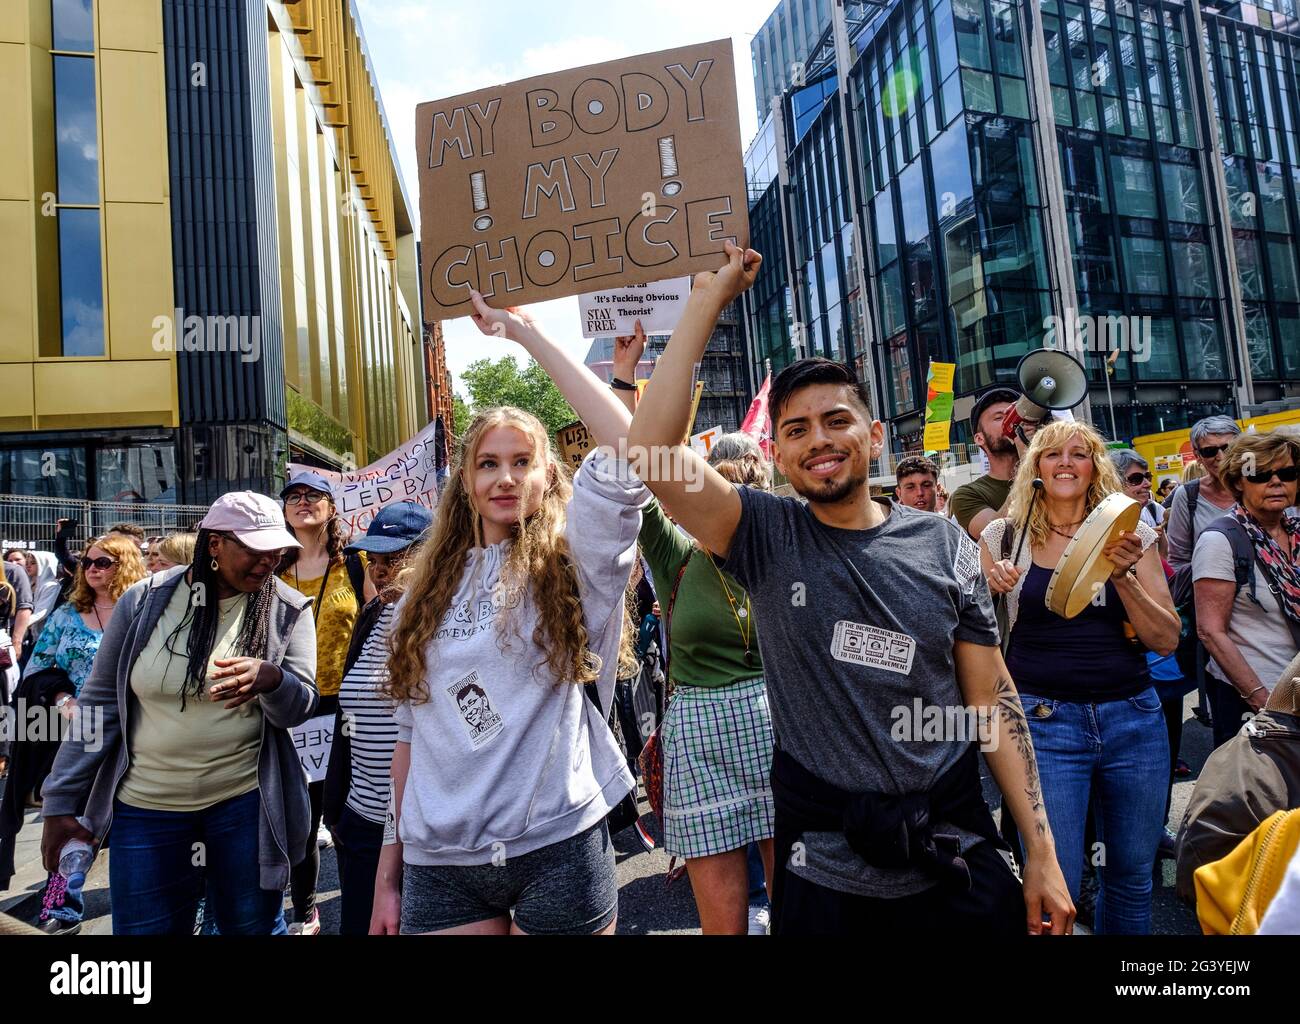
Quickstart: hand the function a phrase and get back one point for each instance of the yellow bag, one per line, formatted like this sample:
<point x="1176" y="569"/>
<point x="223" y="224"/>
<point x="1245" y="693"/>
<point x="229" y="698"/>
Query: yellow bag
<point x="1233" y="893"/>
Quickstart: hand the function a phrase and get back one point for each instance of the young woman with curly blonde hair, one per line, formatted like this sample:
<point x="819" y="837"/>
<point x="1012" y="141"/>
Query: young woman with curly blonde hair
<point x="505" y="769"/>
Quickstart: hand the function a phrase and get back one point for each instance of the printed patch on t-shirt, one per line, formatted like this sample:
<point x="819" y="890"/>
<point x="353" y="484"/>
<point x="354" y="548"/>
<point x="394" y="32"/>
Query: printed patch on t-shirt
<point x="872" y="646"/>
<point x="475" y="709"/>
<point x="967" y="565"/>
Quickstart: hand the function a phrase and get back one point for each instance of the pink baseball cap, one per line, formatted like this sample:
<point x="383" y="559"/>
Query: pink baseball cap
<point x="253" y="518"/>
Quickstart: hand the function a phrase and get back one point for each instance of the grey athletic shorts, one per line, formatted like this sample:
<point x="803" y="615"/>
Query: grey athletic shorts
<point x="567" y="888"/>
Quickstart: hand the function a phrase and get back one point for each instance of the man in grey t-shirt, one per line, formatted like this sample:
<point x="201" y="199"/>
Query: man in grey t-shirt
<point x="872" y="616"/>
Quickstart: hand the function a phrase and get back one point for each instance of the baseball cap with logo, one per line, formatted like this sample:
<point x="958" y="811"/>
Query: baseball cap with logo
<point x="254" y="519"/>
<point x="393" y="528"/>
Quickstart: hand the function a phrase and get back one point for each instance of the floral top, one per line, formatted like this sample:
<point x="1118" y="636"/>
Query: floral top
<point x="66" y="642"/>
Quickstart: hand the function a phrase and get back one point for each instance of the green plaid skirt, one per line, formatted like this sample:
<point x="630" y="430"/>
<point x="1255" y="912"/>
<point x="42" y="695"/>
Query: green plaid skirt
<point x="717" y="744"/>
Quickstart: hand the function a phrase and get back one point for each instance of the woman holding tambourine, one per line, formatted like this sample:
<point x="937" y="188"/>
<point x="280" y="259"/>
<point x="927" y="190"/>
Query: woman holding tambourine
<point x="1095" y="719"/>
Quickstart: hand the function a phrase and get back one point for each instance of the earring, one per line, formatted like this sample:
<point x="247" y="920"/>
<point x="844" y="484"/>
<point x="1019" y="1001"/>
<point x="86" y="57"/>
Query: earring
<point x="214" y="565"/>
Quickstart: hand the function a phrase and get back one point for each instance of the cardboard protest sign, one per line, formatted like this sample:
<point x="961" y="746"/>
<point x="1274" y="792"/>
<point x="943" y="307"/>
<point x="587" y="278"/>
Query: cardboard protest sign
<point x="314" y="740"/>
<point x="407" y="473"/>
<point x="574" y="442"/>
<point x="615" y="311"/>
<point x="584" y="180"/>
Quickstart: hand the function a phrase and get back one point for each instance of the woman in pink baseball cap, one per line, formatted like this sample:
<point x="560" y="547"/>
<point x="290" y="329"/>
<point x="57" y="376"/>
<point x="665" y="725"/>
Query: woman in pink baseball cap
<point x="183" y="743"/>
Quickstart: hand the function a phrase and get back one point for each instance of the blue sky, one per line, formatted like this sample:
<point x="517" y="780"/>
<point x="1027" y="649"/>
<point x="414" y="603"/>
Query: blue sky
<point x="427" y="49"/>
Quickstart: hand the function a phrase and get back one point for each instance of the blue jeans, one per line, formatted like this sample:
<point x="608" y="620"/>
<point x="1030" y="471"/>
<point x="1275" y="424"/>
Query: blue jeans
<point x="161" y="859"/>
<point x="1117" y="753"/>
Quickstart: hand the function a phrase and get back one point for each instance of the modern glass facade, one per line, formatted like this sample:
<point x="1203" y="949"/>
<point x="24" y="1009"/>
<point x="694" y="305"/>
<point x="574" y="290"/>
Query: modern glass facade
<point x="782" y="46"/>
<point x="1174" y="205"/>
<point x="207" y="262"/>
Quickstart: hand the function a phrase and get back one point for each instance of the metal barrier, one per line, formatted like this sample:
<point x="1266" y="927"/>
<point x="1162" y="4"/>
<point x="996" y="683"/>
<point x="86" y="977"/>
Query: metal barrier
<point x="29" y="522"/>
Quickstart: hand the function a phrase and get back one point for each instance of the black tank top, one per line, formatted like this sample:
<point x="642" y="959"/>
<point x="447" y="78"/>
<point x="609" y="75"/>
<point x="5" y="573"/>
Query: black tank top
<point x="1084" y="660"/>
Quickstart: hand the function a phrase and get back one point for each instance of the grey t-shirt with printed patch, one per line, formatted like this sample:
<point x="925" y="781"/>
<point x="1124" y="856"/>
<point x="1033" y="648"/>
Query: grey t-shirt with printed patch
<point x="841" y="659"/>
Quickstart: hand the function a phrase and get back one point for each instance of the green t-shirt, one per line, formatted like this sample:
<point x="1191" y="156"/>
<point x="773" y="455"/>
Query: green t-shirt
<point x="969" y="500"/>
<point x="705" y="641"/>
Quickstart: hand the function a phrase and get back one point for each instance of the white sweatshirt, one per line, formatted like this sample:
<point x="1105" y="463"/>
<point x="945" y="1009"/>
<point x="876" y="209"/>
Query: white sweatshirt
<point x="505" y="760"/>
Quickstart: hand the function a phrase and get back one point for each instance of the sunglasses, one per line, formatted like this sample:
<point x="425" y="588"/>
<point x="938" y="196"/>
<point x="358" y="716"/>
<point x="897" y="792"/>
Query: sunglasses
<point x="1136" y="478"/>
<point x="97" y="563"/>
<point x="1211" y="450"/>
<point x="310" y="497"/>
<point x="1287" y="474"/>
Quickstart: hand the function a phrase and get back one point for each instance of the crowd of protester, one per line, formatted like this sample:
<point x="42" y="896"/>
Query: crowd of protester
<point x="503" y="672"/>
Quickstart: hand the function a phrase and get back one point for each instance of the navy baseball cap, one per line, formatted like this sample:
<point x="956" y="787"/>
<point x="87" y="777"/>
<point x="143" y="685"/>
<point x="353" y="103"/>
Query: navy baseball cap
<point x="308" y="479"/>
<point x="992" y="395"/>
<point x="393" y="528"/>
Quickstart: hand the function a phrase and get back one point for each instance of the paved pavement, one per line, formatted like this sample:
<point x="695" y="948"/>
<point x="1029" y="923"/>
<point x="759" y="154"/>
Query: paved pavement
<point x="646" y="906"/>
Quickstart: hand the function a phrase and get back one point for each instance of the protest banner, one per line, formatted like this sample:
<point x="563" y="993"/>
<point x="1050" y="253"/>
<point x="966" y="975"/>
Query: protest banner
<point x="584" y="180"/>
<point x="407" y="473"/>
<point x="314" y="740"/>
<point x="615" y="312"/>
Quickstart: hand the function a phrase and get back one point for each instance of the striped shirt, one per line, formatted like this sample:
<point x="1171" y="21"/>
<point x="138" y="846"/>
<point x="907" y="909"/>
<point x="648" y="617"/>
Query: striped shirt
<point x="370" y="714"/>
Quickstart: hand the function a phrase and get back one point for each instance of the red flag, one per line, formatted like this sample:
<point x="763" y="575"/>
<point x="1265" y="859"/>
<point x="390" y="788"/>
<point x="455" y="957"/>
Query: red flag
<point x="758" y="422"/>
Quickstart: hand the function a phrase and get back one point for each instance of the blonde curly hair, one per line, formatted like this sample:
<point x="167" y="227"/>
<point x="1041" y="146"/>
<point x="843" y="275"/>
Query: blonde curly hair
<point x="537" y="559"/>
<point x="1048" y="438"/>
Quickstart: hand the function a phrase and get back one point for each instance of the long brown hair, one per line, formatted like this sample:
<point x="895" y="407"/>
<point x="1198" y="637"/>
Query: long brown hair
<point x="536" y="559"/>
<point x="130" y="570"/>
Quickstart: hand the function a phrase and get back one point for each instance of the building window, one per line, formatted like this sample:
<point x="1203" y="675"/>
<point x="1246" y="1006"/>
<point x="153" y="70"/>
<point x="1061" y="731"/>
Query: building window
<point x="81" y="283"/>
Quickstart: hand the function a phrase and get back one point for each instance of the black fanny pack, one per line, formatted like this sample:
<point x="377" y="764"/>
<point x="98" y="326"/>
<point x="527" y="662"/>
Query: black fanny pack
<point x="889" y="830"/>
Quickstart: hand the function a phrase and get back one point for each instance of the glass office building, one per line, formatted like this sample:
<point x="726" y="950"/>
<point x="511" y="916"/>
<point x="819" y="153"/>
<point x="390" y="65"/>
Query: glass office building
<point x="965" y="180"/>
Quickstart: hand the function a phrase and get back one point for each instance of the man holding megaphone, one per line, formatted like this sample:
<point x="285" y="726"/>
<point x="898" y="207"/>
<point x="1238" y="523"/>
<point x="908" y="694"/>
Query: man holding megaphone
<point x="1003" y="422"/>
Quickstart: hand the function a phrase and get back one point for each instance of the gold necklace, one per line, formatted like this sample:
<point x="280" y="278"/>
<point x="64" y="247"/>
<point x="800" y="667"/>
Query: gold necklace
<point x="738" y="612"/>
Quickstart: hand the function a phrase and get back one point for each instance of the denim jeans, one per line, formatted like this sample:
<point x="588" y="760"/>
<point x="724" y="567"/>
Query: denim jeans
<point x="357" y="844"/>
<point x="161" y="860"/>
<point x="1117" y="754"/>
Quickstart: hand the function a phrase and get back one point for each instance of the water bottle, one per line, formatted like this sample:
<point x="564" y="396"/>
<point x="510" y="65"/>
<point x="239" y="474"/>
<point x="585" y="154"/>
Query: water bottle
<point x="74" y="861"/>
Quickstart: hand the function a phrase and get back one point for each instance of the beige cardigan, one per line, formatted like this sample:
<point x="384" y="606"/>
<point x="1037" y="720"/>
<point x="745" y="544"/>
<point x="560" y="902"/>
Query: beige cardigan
<point x="991" y="538"/>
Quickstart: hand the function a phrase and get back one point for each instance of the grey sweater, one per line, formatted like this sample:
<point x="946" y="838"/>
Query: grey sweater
<point x="88" y="772"/>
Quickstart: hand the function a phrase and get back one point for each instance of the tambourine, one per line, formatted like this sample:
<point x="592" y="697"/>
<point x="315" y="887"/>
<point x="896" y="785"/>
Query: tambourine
<point x="1083" y="569"/>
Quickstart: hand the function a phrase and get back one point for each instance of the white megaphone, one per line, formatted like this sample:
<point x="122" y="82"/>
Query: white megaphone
<point x="1049" y="379"/>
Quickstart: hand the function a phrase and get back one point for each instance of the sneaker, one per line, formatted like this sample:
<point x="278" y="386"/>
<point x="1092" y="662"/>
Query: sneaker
<point x="1168" y="844"/>
<point x="323" y="838"/>
<point x="311" y="926"/>
<point x="1182" y="770"/>
<point x="760" y="919"/>
<point x="57" y="926"/>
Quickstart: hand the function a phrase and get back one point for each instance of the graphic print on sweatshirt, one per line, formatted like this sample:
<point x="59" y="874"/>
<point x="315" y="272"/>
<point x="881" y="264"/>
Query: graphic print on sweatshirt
<point x="475" y="709"/>
<point x="466" y="618"/>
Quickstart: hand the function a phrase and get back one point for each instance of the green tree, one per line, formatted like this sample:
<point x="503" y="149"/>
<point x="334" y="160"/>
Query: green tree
<point x="460" y="416"/>
<point x="503" y="383"/>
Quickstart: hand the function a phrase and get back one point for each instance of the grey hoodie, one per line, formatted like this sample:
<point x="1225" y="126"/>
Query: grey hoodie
<point x="91" y="776"/>
<point x="506" y="759"/>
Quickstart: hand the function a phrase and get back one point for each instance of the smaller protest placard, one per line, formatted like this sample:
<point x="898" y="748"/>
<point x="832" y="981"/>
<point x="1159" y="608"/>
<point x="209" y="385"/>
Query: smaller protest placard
<point x="703" y="441"/>
<point x="615" y="311"/>
<point x="574" y="442"/>
<point x="314" y="740"/>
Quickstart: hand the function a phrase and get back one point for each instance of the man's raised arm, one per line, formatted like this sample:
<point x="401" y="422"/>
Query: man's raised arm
<point x="701" y="500"/>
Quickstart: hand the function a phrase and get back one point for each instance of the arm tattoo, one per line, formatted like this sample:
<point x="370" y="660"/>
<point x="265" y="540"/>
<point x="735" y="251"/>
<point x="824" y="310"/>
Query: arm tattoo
<point x="1008" y="702"/>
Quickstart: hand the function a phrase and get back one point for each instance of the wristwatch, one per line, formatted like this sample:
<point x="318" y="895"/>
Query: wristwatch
<point x="63" y="700"/>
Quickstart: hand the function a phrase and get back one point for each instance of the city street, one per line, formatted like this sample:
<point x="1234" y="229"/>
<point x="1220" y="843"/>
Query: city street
<point x="646" y="906"/>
